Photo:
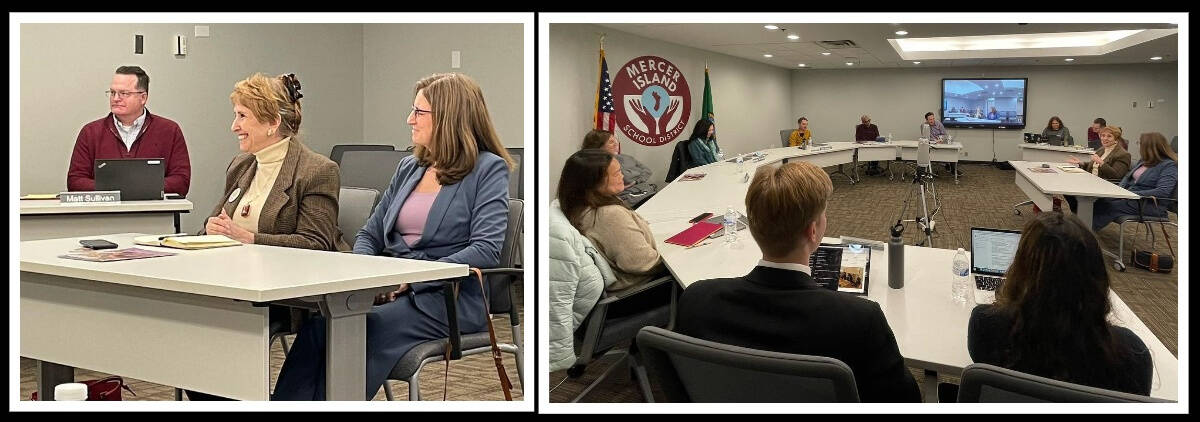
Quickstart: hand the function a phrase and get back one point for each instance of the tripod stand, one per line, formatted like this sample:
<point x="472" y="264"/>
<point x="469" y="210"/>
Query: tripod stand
<point x="922" y="177"/>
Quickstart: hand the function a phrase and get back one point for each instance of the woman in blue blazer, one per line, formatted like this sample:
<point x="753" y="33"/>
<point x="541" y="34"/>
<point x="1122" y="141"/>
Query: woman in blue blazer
<point x="1155" y="174"/>
<point x="447" y="202"/>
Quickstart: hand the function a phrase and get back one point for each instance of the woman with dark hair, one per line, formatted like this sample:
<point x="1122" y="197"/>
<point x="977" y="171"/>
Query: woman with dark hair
<point x="1155" y="174"/>
<point x="637" y="176"/>
<point x="1055" y="128"/>
<point x="1050" y="317"/>
<point x="587" y="195"/>
<point x="703" y="148"/>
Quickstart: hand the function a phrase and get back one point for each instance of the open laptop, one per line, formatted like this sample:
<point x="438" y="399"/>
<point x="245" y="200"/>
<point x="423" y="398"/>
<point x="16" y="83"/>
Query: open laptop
<point x="138" y="179"/>
<point x="992" y="251"/>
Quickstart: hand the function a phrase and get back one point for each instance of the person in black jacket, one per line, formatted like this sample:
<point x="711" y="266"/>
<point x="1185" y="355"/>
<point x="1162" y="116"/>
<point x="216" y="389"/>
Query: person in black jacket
<point x="1050" y="318"/>
<point x="778" y="307"/>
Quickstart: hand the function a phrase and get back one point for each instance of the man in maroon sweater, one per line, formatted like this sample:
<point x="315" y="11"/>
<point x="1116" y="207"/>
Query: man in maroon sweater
<point x="130" y="131"/>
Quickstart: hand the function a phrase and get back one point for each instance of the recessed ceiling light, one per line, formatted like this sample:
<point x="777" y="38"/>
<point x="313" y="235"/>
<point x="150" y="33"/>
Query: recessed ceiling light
<point x="768" y="56"/>
<point x="826" y="53"/>
<point x="849" y="63"/>
<point x="793" y="37"/>
<point x="1156" y="58"/>
<point x="802" y="65"/>
<point x="916" y="62"/>
<point x="771" y="27"/>
<point x="901" y="32"/>
<point x="1069" y="60"/>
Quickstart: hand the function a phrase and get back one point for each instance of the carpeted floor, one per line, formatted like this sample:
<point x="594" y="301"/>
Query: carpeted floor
<point x="984" y="197"/>
<point x="472" y="378"/>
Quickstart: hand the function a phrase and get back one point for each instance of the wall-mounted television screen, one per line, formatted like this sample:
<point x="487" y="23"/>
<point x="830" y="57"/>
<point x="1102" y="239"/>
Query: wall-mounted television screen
<point x="984" y="103"/>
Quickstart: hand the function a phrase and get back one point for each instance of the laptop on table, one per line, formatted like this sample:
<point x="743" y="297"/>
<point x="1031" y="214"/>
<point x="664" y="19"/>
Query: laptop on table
<point x="992" y="251"/>
<point x="138" y="179"/>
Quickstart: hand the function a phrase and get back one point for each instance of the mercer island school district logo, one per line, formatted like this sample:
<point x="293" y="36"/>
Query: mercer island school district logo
<point x="653" y="100"/>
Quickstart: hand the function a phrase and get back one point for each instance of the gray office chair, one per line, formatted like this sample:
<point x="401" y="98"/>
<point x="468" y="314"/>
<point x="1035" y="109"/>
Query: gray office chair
<point x="339" y="150"/>
<point x="1172" y="207"/>
<point x="784" y="135"/>
<point x="370" y="169"/>
<point x="1175" y="143"/>
<point x="354" y="208"/>
<point x="602" y="331"/>
<point x="689" y="369"/>
<point x="501" y="291"/>
<point x="516" y="177"/>
<point x="983" y="383"/>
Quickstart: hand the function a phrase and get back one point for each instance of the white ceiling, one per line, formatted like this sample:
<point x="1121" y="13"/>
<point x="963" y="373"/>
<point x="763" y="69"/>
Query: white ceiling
<point x="750" y="41"/>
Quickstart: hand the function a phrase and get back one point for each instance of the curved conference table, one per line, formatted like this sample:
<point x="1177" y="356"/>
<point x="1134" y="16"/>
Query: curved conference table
<point x="930" y="329"/>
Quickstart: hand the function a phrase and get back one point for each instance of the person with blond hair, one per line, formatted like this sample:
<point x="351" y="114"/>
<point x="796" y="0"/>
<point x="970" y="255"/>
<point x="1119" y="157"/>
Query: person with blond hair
<point x="778" y="307"/>
<point x="447" y="202"/>
<point x="277" y="192"/>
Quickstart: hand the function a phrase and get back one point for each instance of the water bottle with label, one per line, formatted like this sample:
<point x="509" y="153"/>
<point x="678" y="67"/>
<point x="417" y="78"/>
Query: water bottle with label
<point x="730" y="224"/>
<point x="740" y="164"/>
<point x="889" y="138"/>
<point x="961" y="288"/>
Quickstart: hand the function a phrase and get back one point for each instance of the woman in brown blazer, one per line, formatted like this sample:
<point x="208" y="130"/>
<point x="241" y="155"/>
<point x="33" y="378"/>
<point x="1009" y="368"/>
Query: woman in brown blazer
<point x="1111" y="161"/>
<point x="277" y="192"/>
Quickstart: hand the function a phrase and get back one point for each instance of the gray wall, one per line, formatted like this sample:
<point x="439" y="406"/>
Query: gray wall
<point x="396" y="56"/>
<point x="66" y="67"/>
<point x="750" y="99"/>
<point x="897" y="100"/>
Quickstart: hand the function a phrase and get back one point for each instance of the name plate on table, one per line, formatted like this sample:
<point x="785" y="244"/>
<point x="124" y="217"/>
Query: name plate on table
<point x="90" y="197"/>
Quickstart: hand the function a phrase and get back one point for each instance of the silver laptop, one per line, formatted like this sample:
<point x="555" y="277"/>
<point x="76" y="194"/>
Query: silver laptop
<point x="992" y="251"/>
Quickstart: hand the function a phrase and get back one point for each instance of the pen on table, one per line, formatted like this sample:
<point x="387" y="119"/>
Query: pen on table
<point x="172" y="235"/>
<point x="697" y="245"/>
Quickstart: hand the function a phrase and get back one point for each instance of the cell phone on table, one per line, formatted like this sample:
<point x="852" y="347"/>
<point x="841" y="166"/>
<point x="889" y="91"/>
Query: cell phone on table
<point x="96" y="244"/>
<point x="700" y="217"/>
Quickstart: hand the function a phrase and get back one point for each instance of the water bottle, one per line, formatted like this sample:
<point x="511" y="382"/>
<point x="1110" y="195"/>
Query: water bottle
<point x="720" y="155"/>
<point x="740" y="164"/>
<point x="961" y="287"/>
<point x="730" y="224"/>
<point x="896" y="258"/>
<point x="889" y="138"/>
<point x="71" y="391"/>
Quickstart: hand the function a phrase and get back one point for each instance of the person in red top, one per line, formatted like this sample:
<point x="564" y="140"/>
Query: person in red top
<point x="130" y="131"/>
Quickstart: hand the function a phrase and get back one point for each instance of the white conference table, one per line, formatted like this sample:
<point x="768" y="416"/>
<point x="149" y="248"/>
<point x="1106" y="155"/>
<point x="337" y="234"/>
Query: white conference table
<point x="50" y="219"/>
<point x="198" y="320"/>
<point x="929" y="328"/>
<point x="1085" y="187"/>
<point x="1053" y="153"/>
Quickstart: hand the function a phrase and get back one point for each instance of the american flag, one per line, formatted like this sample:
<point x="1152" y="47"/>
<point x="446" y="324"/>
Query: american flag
<point x="604" y="99"/>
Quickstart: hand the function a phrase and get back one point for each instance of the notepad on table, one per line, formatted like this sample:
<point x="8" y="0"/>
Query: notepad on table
<point x="694" y="234"/>
<point x="1071" y="169"/>
<point x="693" y="176"/>
<point x="187" y="242"/>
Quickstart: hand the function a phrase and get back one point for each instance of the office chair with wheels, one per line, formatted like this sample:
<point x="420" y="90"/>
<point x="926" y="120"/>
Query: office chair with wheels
<point x="1170" y="204"/>
<point x="689" y="369"/>
<point x="611" y="323"/>
<point x="983" y="383"/>
<point x="501" y="295"/>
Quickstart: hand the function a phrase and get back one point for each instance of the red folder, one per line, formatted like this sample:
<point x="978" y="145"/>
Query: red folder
<point x="694" y="234"/>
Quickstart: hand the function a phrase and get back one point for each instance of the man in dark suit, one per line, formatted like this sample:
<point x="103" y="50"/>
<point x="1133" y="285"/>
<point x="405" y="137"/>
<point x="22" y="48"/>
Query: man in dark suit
<point x="778" y="307"/>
